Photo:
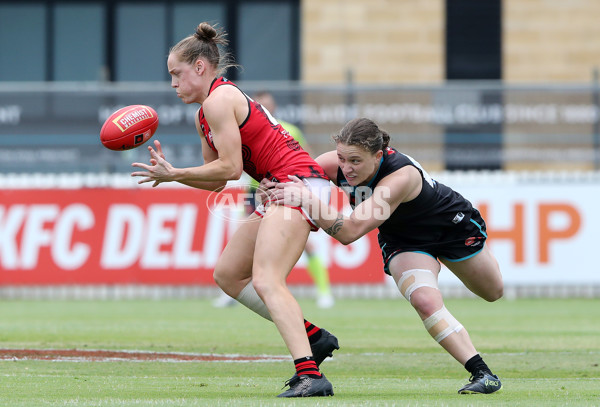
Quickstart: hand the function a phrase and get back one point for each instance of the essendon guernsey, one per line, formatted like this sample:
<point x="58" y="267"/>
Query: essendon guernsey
<point x="268" y="150"/>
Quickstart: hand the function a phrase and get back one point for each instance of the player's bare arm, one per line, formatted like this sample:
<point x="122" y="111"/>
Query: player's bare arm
<point x="220" y="113"/>
<point x="221" y="110"/>
<point x="160" y="170"/>
<point x="329" y="162"/>
<point x="208" y="156"/>
<point x="400" y="186"/>
<point x="226" y="165"/>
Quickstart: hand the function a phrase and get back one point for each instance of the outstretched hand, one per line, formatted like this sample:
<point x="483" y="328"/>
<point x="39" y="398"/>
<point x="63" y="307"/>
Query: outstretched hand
<point x="159" y="170"/>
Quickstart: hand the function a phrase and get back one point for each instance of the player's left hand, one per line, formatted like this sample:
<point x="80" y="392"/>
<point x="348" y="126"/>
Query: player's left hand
<point x="159" y="170"/>
<point x="263" y="191"/>
<point x="292" y="193"/>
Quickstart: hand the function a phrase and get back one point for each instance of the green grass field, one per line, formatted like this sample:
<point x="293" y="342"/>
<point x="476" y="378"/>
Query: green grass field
<point x="547" y="353"/>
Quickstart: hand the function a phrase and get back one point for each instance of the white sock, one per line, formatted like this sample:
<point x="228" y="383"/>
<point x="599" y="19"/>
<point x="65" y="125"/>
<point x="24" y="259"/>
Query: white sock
<point x="250" y="299"/>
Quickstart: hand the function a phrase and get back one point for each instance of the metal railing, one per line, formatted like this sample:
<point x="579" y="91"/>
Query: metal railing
<point x="54" y="127"/>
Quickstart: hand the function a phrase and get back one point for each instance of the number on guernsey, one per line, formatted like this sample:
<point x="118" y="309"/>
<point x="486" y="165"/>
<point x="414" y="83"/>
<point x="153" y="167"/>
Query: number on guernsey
<point x="269" y="115"/>
<point x="426" y="175"/>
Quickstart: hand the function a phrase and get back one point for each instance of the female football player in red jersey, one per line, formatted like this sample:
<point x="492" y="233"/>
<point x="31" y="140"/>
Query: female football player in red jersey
<point x="421" y="223"/>
<point x="239" y="135"/>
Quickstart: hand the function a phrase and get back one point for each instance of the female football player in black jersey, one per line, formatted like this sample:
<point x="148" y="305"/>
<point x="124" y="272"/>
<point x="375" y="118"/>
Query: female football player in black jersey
<point x="421" y="223"/>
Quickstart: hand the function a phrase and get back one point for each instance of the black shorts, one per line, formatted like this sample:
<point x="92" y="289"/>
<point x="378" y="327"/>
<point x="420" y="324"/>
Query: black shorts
<point x="456" y="243"/>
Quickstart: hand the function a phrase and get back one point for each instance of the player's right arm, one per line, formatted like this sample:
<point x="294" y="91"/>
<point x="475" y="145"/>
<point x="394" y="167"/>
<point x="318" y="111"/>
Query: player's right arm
<point x="223" y="110"/>
<point x="209" y="156"/>
<point x="329" y="162"/>
<point x="160" y="170"/>
<point x="400" y="186"/>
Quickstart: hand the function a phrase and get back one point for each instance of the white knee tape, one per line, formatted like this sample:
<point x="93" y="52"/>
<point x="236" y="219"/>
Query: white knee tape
<point x="441" y="324"/>
<point x="416" y="278"/>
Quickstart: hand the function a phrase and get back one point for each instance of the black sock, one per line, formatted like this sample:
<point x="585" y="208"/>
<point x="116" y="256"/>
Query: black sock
<point x="475" y="364"/>
<point x="313" y="332"/>
<point x="307" y="366"/>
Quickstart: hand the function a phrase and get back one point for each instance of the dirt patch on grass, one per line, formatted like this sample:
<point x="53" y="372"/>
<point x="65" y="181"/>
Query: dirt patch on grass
<point x="79" y="355"/>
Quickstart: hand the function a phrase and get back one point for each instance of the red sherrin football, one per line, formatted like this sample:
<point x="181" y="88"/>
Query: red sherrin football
<point x="129" y="127"/>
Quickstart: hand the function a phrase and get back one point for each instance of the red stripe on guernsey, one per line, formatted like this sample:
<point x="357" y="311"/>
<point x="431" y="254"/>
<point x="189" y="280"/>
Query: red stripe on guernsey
<point x="312" y="331"/>
<point x="307" y="324"/>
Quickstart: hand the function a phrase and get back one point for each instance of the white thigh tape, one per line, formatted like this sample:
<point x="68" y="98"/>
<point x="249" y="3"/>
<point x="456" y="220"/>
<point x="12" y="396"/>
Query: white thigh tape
<point x="441" y="324"/>
<point x="416" y="278"/>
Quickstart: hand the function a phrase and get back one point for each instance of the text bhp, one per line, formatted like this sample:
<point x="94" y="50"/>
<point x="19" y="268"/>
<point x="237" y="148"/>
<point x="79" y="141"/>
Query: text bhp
<point x="547" y="233"/>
